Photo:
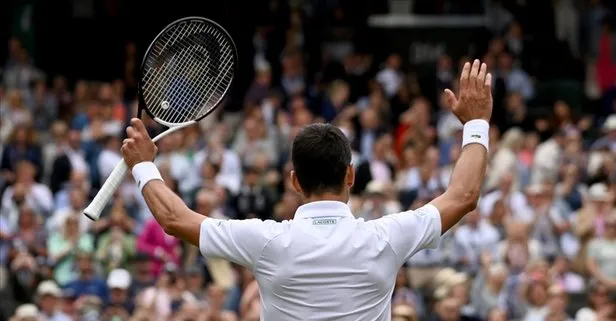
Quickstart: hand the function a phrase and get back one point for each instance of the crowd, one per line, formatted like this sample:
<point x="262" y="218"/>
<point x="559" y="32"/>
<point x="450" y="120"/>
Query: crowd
<point x="540" y="246"/>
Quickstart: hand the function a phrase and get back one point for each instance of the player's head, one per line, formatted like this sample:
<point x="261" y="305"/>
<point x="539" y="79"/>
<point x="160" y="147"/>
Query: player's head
<point x="321" y="157"/>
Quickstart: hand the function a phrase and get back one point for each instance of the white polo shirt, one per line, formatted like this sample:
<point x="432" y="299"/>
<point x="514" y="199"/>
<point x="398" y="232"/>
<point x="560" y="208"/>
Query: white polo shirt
<point x="325" y="264"/>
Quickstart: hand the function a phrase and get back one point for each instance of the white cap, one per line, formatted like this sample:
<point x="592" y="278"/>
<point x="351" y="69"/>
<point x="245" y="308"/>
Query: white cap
<point x="610" y="123"/>
<point x="375" y="187"/>
<point x="26" y="311"/>
<point x="119" y="279"/>
<point x="598" y="192"/>
<point x="49" y="288"/>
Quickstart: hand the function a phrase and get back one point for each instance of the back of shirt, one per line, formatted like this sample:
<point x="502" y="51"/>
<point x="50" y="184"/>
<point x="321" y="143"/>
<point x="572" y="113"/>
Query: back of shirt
<point x="324" y="264"/>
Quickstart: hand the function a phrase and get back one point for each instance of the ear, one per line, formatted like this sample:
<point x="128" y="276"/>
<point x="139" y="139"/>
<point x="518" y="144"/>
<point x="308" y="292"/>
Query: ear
<point x="350" y="176"/>
<point x="295" y="183"/>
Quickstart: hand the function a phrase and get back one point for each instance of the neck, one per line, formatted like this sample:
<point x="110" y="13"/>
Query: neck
<point x="327" y="197"/>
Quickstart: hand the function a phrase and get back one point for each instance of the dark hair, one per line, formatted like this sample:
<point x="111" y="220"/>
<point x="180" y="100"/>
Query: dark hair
<point x="321" y="155"/>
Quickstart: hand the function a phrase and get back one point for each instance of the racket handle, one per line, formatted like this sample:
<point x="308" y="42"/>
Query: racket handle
<point x="104" y="195"/>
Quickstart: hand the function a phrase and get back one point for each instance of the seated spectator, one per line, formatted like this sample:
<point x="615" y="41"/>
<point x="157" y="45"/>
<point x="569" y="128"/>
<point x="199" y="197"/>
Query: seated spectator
<point x="142" y="276"/>
<point x="489" y="287"/>
<point x="405" y="295"/>
<point x="474" y="237"/>
<point x="160" y="246"/>
<point x="62" y="246"/>
<point x="598" y="299"/>
<point x="514" y="200"/>
<point x="602" y="253"/>
<point x="115" y="246"/>
<point x="26" y="191"/>
<point x="21" y="145"/>
<point x="29" y="237"/>
<point x="77" y="203"/>
<point x="378" y="201"/>
<point x="120" y="304"/>
<point x="87" y="283"/>
<point x="536" y="299"/>
<point x="48" y="296"/>
<point x="517" y="249"/>
<point x="562" y="275"/>
<point x="557" y="303"/>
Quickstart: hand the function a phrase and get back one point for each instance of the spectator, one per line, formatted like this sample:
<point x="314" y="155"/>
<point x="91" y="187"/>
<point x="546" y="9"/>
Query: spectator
<point x="115" y="247"/>
<point x="87" y="282"/>
<point x="62" y="246"/>
<point x="48" y="296"/>
<point x="377" y="168"/>
<point x="157" y="244"/>
<point x="390" y="76"/>
<point x="547" y="158"/>
<point x="29" y="237"/>
<point x="25" y="191"/>
<point x="598" y="299"/>
<point x="475" y="236"/>
<point x="599" y="261"/>
<point x="489" y="287"/>
<point x="26" y="312"/>
<point x="505" y="160"/>
<point x="21" y="146"/>
<point x="119" y="305"/>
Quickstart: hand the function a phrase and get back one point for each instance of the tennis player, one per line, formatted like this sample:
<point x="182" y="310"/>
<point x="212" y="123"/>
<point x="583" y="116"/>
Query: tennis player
<point x="325" y="264"/>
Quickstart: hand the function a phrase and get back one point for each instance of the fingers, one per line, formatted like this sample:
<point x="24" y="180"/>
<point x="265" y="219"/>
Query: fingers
<point x="481" y="77"/>
<point x="488" y="83"/>
<point x="138" y="125"/>
<point x="464" y="77"/>
<point x="474" y="74"/>
<point x="452" y="101"/>
<point x="131" y="132"/>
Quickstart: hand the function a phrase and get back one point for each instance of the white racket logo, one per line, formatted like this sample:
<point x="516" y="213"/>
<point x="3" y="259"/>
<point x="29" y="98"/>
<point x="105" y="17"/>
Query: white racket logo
<point x="164" y="104"/>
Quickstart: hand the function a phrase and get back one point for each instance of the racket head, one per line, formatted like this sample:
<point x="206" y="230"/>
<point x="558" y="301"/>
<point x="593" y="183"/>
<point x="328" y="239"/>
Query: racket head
<point x="187" y="71"/>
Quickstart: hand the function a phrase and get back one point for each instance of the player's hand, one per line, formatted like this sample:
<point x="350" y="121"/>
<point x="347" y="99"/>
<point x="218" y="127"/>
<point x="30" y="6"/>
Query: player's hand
<point x="138" y="147"/>
<point x="474" y="100"/>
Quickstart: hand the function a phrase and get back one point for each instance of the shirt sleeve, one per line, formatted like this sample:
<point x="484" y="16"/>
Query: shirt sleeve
<point x="239" y="241"/>
<point x="411" y="231"/>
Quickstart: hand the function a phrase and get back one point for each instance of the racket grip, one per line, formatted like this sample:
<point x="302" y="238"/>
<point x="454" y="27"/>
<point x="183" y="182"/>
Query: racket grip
<point x="104" y="195"/>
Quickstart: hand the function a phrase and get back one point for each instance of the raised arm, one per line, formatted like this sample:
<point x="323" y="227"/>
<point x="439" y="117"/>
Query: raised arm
<point x="168" y="209"/>
<point x="474" y="109"/>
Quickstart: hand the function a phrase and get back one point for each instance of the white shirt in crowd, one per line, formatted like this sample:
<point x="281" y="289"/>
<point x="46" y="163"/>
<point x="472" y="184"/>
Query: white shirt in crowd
<point x="230" y="175"/>
<point x="545" y="162"/>
<point x="107" y="160"/>
<point x="515" y="200"/>
<point x="472" y="241"/>
<point x="38" y="198"/>
<point x="324" y="264"/>
<point x="390" y="79"/>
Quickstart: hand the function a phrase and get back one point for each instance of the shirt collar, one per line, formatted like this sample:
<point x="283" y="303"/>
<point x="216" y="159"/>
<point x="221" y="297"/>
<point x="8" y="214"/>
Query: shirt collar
<point x="323" y="209"/>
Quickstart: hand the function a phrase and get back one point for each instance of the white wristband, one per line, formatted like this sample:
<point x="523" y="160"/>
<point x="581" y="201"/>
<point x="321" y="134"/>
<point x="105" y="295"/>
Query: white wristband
<point x="476" y="131"/>
<point x="145" y="172"/>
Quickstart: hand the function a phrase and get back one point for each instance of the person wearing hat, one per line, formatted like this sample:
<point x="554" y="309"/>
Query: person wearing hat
<point x="376" y="201"/>
<point x="589" y="221"/>
<point x="602" y="255"/>
<point x="119" y="303"/>
<point x="48" y="296"/>
<point x="27" y="312"/>
<point x="608" y="141"/>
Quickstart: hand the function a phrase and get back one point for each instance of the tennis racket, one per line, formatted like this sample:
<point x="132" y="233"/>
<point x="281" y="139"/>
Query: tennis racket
<point x="185" y="74"/>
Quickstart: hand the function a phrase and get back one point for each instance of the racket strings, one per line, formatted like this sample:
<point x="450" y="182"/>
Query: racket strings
<point x="188" y="71"/>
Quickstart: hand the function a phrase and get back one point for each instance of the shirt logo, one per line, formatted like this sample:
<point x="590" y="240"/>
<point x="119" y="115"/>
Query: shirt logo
<point x="325" y="221"/>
